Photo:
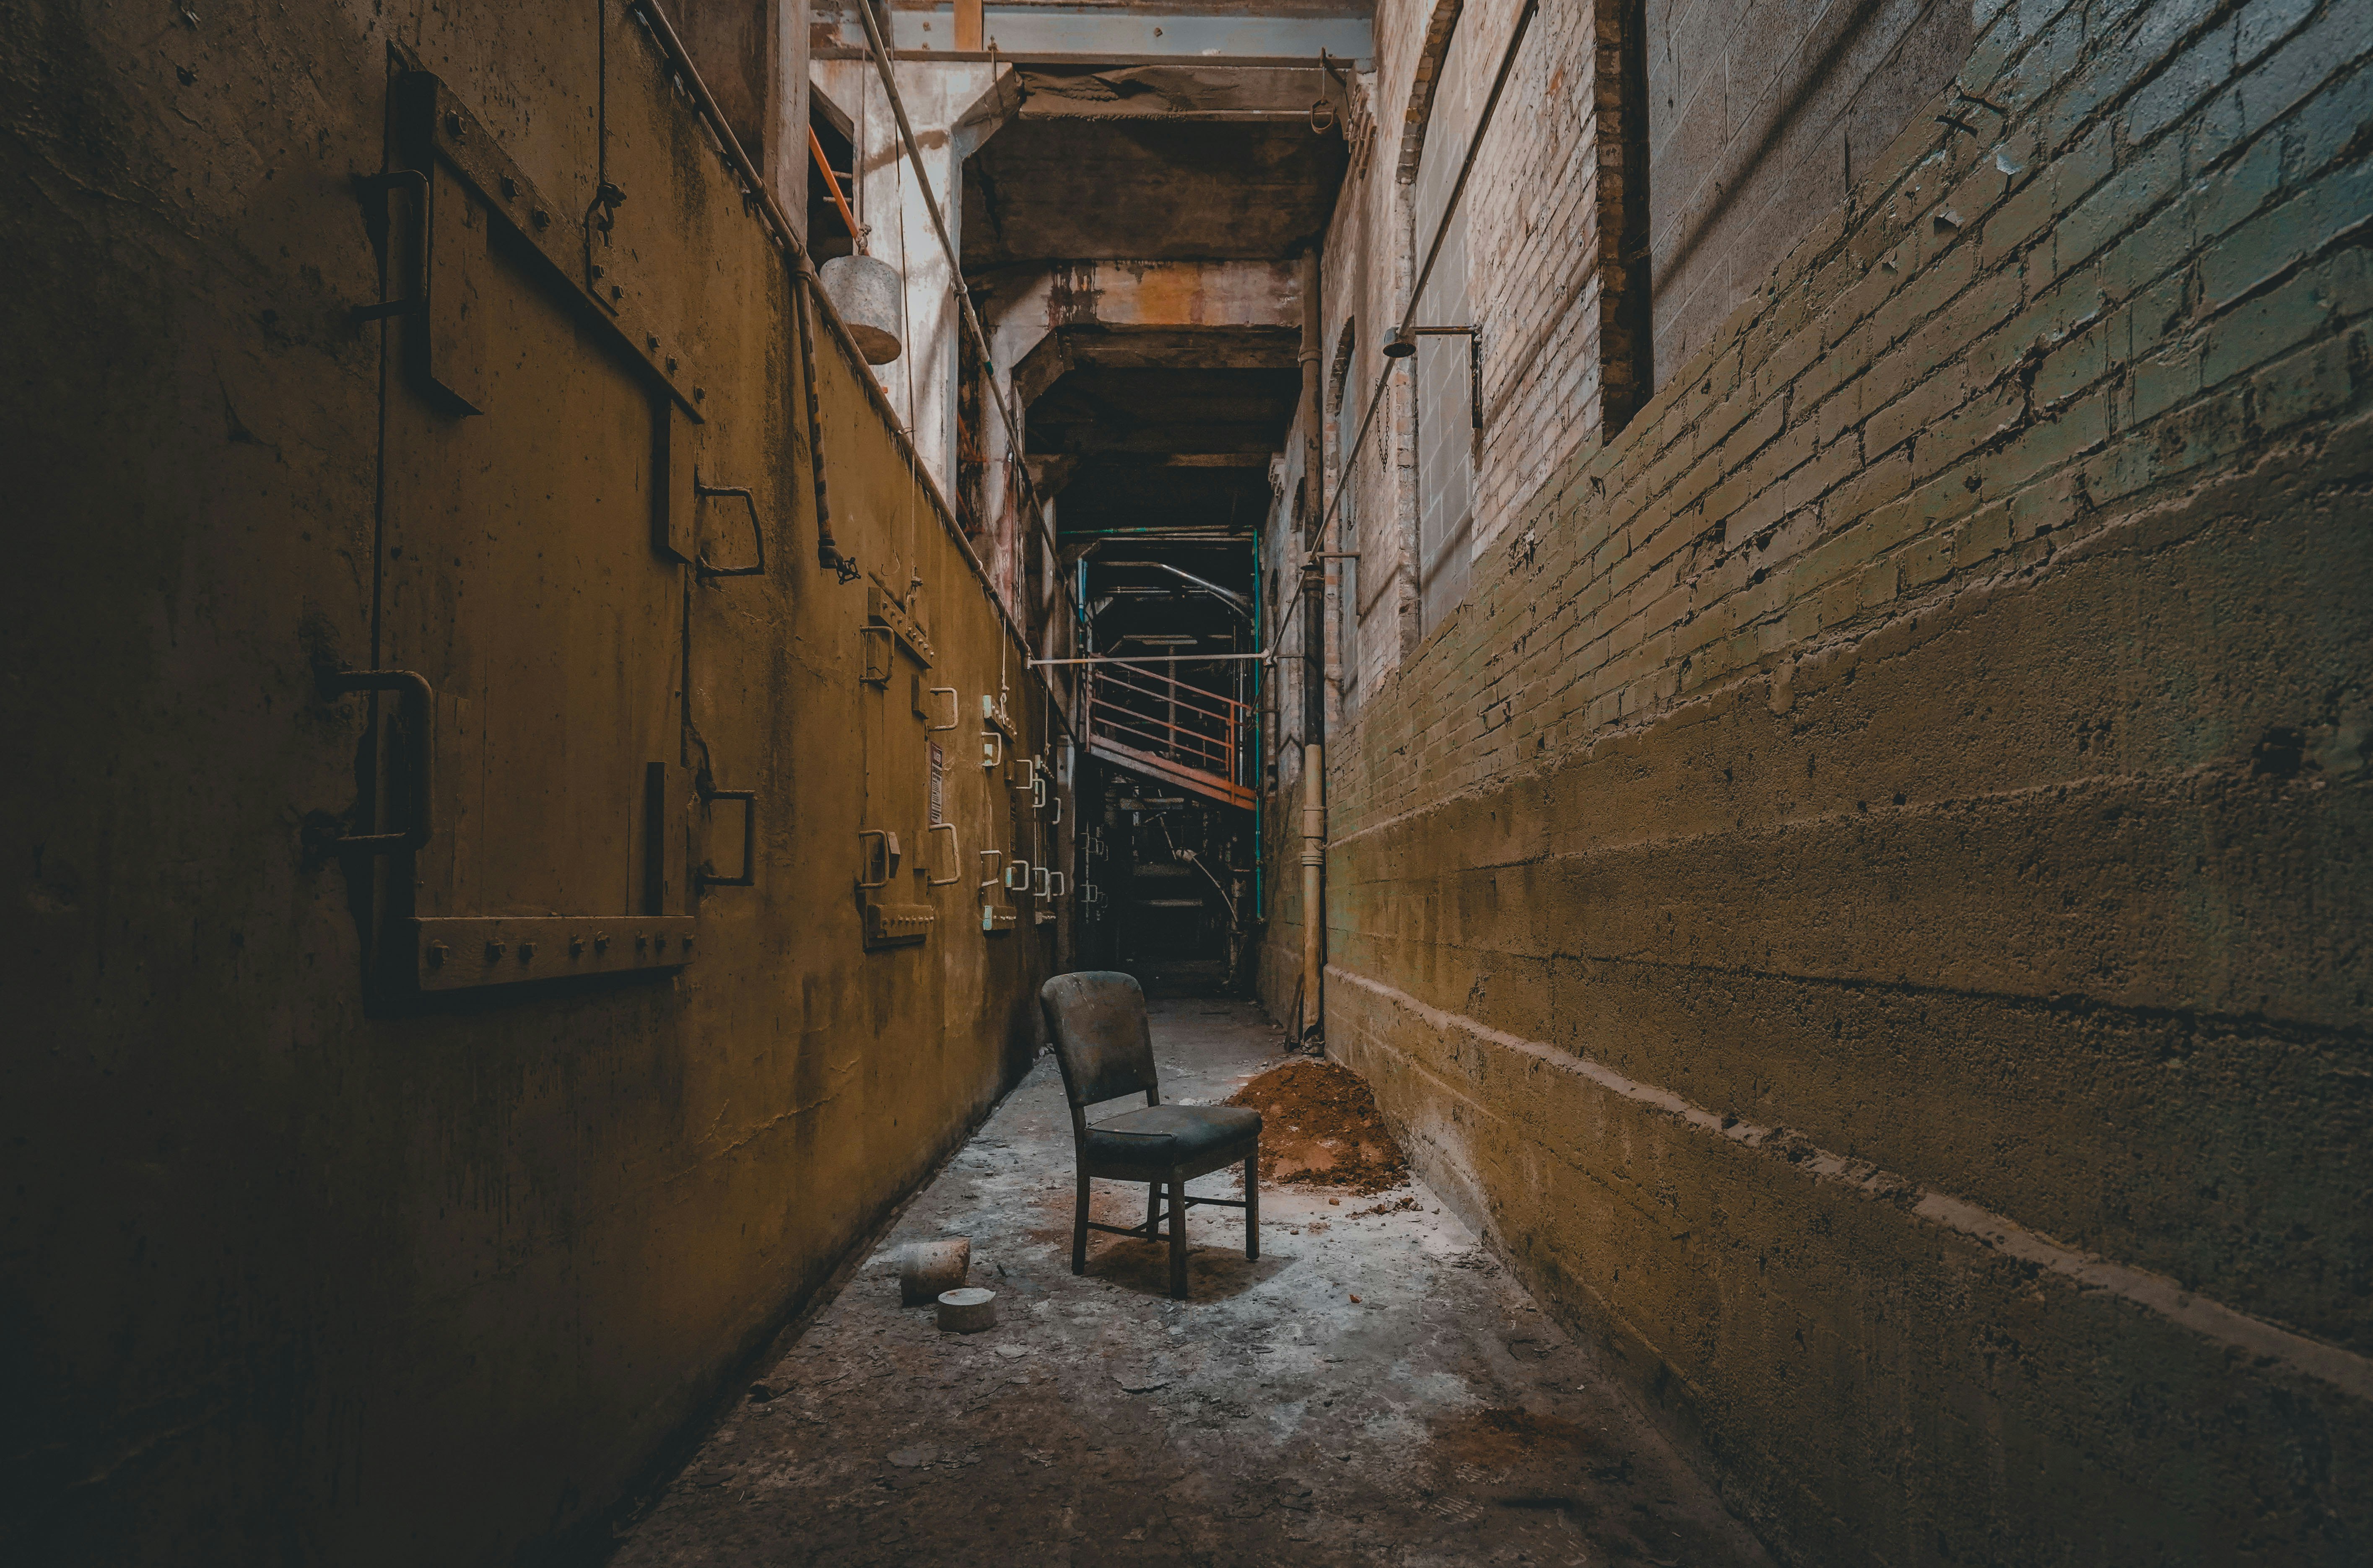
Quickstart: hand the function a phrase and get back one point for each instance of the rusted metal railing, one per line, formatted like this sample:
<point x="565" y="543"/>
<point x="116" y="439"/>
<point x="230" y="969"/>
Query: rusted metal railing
<point x="1160" y="724"/>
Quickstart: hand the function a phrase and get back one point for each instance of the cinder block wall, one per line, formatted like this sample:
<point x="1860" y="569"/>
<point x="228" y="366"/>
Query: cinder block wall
<point x="1865" y="902"/>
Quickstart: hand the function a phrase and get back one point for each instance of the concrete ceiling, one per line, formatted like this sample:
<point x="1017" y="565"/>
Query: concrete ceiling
<point x="1167" y="427"/>
<point x="1096" y="411"/>
<point x="1066" y="189"/>
<point x="1174" y="449"/>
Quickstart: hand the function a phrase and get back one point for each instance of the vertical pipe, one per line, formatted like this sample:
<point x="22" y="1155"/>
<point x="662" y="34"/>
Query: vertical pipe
<point x="1260" y="749"/>
<point x="1313" y="708"/>
<point x="1314" y="885"/>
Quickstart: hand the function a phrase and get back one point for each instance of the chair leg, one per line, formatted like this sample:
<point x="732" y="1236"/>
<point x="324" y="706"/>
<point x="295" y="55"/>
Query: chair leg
<point x="1080" y="1229"/>
<point x="1154" y="1210"/>
<point x="1252" y="1203"/>
<point x="1177" y="1237"/>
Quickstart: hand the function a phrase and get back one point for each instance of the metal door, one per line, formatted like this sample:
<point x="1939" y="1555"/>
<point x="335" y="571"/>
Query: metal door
<point x="537" y="492"/>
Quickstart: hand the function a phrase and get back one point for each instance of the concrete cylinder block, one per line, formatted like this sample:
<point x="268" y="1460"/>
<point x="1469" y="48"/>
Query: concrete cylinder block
<point x="866" y="292"/>
<point x="967" y="1311"/>
<point x="929" y="1268"/>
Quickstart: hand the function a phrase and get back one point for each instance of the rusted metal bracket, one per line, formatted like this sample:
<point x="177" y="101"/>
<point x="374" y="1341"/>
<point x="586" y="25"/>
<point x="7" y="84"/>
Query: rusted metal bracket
<point x="898" y="926"/>
<point x="457" y="953"/>
<point x="420" y="719"/>
<point x="757" y="531"/>
<point x="749" y="877"/>
<point x="885" y="608"/>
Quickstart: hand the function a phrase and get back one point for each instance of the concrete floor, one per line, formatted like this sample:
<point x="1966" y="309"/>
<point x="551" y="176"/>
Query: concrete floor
<point x="1375" y="1389"/>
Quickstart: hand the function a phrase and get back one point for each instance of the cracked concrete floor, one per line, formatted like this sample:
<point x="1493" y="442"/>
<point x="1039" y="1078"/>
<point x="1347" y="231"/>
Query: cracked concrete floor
<point x="1374" y="1389"/>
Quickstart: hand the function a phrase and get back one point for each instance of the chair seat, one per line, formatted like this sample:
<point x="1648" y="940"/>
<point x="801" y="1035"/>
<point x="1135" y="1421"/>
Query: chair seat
<point x="1161" y="1136"/>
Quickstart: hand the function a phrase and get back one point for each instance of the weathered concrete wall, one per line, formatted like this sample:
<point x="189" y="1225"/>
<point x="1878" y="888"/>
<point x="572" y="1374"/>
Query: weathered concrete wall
<point x="292" y="1279"/>
<point x="1863" y="902"/>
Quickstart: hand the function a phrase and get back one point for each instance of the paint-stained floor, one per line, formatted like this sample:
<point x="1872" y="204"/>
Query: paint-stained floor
<point x="1374" y="1389"/>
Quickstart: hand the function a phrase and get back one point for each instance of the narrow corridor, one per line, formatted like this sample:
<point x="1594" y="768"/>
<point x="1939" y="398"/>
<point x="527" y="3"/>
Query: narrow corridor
<point x="1748" y="621"/>
<point x="1374" y="1389"/>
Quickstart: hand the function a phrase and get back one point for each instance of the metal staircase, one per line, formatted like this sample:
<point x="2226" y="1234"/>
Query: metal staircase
<point x="1159" y="726"/>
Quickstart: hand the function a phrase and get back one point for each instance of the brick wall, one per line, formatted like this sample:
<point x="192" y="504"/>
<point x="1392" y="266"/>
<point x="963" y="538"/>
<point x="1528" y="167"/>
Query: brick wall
<point x="1761" y="113"/>
<point x="1535" y="210"/>
<point x="1863" y="902"/>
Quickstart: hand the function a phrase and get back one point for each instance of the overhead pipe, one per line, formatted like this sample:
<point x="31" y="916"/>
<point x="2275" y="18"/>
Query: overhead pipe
<point x="828" y="553"/>
<point x="1237" y="601"/>
<point x="839" y="199"/>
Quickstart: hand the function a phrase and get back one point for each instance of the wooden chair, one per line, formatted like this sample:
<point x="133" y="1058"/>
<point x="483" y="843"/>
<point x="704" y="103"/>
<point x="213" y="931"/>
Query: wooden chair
<point x="1101" y="1040"/>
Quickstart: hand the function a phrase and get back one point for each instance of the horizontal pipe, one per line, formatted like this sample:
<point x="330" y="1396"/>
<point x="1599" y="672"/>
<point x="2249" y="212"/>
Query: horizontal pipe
<point x="1243" y="605"/>
<point x="1154" y="658"/>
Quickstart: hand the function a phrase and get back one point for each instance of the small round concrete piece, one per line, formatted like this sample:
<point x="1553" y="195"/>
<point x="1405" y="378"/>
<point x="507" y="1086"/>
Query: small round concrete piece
<point x="967" y="1311"/>
<point x="929" y="1267"/>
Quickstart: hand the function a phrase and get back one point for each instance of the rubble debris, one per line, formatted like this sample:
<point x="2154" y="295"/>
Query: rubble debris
<point x="929" y="1268"/>
<point x="1320" y="1128"/>
<point x="967" y="1311"/>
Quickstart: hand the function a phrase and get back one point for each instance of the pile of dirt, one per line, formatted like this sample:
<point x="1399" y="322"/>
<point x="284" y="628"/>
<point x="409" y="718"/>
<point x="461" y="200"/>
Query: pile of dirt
<point x="1319" y="1128"/>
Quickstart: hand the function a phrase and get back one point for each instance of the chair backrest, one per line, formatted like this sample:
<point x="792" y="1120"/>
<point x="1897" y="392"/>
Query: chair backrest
<point x="1097" y="1019"/>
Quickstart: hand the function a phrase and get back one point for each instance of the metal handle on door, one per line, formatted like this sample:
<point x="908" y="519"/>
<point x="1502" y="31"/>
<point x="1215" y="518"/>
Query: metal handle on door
<point x="956" y="859"/>
<point x="1017" y="876"/>
<point x="1059" y="885"/>
<point x="749" y="877"/>
<point x="889" y="855"/>
<point x="758" y="532"/>
<point x="420" y="707"/>
<point x="955" y="709"/>
<point x="1041" y="879"/>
